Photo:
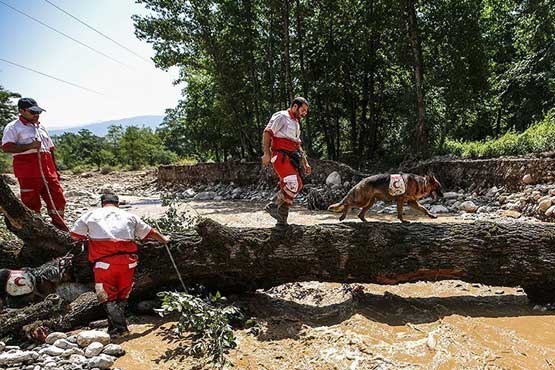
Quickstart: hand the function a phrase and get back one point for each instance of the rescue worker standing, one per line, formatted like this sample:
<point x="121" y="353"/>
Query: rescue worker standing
<point x="23" y="138"/>
<point x="281" y="144"/>
<point x="112" y="232"/>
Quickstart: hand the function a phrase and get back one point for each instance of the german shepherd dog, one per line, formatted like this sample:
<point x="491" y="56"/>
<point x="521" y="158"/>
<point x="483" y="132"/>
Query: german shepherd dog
<point x="368" y="190"/>
<point x="44" y="280"/>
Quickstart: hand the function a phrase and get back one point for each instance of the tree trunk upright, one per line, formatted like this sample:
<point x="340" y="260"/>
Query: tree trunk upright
<point x="412" y="28"/>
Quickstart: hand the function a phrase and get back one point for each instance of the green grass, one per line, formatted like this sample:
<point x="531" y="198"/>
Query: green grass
<point x="538" y="138"/>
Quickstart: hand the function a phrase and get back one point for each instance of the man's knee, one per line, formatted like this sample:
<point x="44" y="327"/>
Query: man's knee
<point x="101" y="293"/>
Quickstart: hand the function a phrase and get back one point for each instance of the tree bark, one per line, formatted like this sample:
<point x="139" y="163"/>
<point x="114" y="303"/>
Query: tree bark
<point x="412" y="28"/>
<point x="42" y="240"/>
<point x="16" y="319"/>
<point x="286" y="53"/>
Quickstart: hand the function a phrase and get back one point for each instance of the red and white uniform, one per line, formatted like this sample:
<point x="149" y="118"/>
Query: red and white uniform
<point x="26" y="167"/>
<point x="112" y="233"/>
<point x="285" y="131"/>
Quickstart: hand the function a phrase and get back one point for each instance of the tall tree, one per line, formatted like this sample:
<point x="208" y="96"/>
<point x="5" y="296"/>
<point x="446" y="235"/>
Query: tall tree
<point x="414" y="38"/>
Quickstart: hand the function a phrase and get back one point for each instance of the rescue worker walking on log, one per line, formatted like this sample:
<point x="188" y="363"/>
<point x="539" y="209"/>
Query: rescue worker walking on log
<point x="281" y="145"/>
<point x="112" y="232"/>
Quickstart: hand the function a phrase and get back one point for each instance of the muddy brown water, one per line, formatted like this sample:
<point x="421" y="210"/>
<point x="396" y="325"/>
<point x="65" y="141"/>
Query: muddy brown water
<point x="425" y="325"/>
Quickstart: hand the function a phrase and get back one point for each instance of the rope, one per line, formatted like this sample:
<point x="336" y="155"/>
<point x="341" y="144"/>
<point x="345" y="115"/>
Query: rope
<point x="39" y="137"/>
<point x="173" y="261"/>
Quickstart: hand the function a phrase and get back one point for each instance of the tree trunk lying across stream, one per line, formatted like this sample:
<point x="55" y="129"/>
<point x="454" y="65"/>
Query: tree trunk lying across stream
<point x="239" y="259"/>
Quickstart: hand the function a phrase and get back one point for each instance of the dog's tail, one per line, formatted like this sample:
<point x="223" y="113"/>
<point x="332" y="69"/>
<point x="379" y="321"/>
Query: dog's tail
<point x="337" y="207"/>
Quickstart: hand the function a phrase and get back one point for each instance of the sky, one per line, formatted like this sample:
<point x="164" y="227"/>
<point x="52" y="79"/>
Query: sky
<point x="125" y="91"/>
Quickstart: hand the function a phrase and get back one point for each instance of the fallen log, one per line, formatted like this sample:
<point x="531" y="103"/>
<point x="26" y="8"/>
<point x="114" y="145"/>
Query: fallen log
<point x="42" y="241"/>
<point x="244" y="259"/>
<point x="502" y="254"/>
<point x="15" y="319"/>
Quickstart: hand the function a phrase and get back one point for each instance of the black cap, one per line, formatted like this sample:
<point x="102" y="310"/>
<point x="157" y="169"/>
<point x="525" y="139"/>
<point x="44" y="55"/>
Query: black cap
<point x="110" y="198"/>
<point x="29" y="104"/>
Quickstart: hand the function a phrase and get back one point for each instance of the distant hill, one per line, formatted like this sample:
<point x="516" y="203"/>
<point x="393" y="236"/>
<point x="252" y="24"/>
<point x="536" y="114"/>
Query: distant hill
<point x="101" y="128"/>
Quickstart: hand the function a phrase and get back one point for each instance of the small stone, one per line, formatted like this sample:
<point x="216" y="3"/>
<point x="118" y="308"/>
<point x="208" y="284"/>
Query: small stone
<point x="333" y="178"/>
<point x="17" y="357"/>
<point x="544" y="204"/>
<point x="207" y="195"/>
<point x="52" y="351"/>
<point x="77" y="359"/>
<point x="53" y="337"/>
<point x="510" y="213"/>
<point x="476" y="285"/>
<point x="431" y="342"/>
<point x="527" y="179"/>
<point x="469" y="206"/>
<point x="94" y="349"/>
<point x="65" y="344"/>
<point x="550" y="211"/>
<point x="439" y="209"/>
<point x="114" y="350"/>
<point x="73" y="351"/>
<point x="499" y="291"/>
<point x="2" y="346"/>
<point x="102" y="361"/>
<point x="450" y="195"/>
<point x="85" y="338"/>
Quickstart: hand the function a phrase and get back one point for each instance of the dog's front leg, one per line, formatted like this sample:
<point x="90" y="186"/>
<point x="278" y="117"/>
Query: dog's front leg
<point x="400" y="203"/>
<point x="414" y="204"/>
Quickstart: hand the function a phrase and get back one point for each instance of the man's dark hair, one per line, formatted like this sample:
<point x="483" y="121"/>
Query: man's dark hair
<point x="109" y="198"/>
<point x="299" y="101"/>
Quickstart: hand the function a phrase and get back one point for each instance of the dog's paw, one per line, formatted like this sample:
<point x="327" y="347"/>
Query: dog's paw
<point x="341" y="218"/>
<point x="432" y="215"/>
<point x="405" y="221"/>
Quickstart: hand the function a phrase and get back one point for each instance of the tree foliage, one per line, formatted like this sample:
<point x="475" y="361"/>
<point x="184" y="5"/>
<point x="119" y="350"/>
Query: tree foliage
<point x="132" y="148"/>
<point x="8" y="112"/>
<point x="487" y="65"/>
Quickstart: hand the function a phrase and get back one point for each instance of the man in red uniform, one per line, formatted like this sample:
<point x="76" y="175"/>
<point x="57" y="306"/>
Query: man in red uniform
<point x="281" y="144"/>
<point x="112" y="232"/>
<point x="23" y="138"/>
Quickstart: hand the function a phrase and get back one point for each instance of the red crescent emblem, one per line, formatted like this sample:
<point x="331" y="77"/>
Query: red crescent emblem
<point x="17" y="279"/>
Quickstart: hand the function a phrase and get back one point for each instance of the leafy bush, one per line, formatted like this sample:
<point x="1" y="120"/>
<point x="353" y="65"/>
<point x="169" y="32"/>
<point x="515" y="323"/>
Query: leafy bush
<point x="5" y="163"/>
<point x="208" y="320"/>
<point x="538" y="138"/>
<point x="173" y="221"/>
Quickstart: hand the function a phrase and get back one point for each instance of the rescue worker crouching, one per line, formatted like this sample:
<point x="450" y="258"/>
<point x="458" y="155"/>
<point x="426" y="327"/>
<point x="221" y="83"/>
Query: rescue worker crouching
<point x="111" y="234"/>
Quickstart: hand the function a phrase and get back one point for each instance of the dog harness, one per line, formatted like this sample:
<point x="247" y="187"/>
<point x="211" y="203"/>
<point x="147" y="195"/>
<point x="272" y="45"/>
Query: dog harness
<point x="396" y="185"/>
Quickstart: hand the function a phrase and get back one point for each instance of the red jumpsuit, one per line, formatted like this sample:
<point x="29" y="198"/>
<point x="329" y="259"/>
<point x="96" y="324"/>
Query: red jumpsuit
<point x="28" y="172"/>
<point x="284" y="129"/>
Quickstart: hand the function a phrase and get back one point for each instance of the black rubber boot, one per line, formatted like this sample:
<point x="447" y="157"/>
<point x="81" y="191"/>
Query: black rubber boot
<point x="117" y="324"/>
<point x="283" y="214"/>
<point x="272" y="208"/>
